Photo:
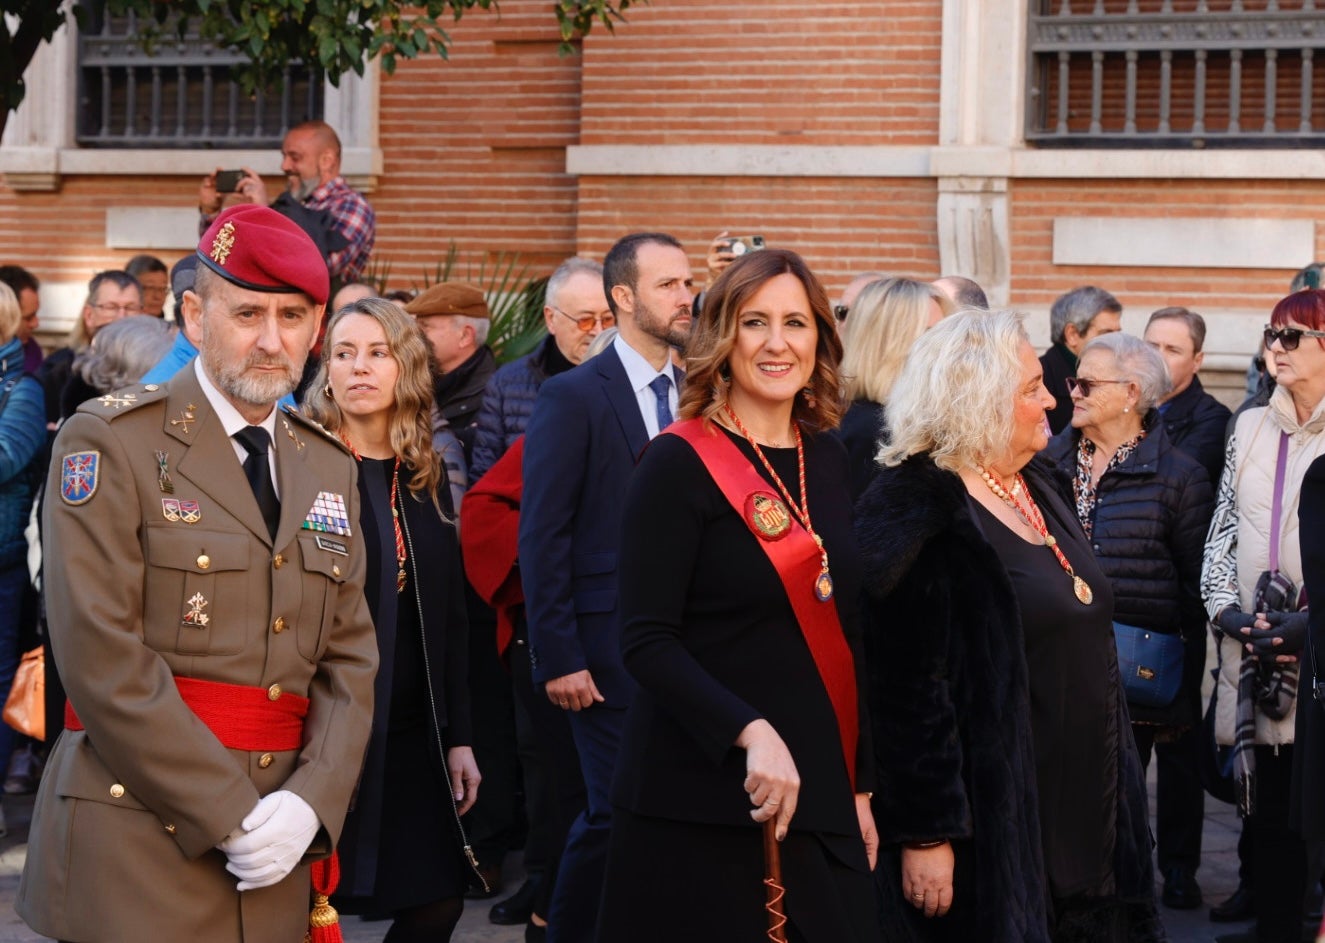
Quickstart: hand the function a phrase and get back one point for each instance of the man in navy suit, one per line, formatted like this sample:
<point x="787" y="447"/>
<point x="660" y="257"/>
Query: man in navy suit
<point x="587" y="430"/>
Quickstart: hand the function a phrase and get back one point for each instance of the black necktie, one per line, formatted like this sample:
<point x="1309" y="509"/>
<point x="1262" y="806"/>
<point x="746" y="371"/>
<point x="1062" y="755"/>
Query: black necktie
<point x="255" y="441"/>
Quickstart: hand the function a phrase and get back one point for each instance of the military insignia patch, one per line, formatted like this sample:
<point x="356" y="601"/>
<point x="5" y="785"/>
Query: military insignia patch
<point x="78" y="477"/>
<point x="328" y="515"/>
<point x="189" y="512"/>
<point x="195" y="615"/>
<point x="170" y="509"/>
<point x="223" y="243"/>
<point x="767" y="516"/>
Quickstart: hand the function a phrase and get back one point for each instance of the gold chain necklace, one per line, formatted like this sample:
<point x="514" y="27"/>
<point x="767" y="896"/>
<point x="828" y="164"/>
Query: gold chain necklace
<point x="1031" y="516"/>
<point x="823" y="583"/>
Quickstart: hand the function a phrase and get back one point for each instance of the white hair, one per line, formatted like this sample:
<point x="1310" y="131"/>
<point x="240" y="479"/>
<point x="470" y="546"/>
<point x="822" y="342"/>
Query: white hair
<point x="1138" y="362"/>
<point x="480" y="326"/>
<point x="954" y="397"/>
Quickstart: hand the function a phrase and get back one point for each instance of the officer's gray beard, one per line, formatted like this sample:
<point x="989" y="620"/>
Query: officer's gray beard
<point x="243" y="383"/>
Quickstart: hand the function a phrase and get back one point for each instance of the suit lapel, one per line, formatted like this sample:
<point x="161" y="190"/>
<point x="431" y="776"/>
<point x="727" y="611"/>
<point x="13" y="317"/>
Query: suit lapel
<point x="210" y="462"/>
<point x="621" y="396"/>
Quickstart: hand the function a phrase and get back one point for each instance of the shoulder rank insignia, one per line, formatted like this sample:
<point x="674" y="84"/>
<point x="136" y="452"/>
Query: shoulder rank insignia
<point x="328" y="514"/>
<point x="78" y="477"/>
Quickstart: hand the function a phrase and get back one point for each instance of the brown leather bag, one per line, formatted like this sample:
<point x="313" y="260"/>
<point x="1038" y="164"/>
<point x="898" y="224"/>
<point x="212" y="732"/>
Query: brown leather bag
<point x="25" y="710"/>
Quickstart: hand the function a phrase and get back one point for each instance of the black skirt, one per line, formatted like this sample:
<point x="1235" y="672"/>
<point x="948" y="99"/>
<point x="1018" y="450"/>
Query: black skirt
<point x="669" y="880"/>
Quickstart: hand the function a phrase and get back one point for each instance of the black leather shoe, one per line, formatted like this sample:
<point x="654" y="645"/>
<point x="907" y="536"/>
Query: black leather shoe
<point x="1181" y="892"/>
<point x="1239" y="906"/>
<point x="516" y="909"/>
<point x="475" y="889"/>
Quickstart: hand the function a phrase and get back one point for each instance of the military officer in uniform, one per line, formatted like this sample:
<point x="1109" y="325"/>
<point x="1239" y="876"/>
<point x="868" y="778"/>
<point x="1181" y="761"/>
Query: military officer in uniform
<point x="204" y="586"/>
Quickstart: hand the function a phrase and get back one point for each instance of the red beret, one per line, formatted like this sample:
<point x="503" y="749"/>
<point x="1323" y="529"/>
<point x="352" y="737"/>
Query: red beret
<point x="450" y="298"/>
<point x="257" y="248"/>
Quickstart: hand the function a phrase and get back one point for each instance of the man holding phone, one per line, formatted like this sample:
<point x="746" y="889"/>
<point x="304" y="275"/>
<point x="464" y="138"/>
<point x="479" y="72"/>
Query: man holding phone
<point x="310" y="160"/>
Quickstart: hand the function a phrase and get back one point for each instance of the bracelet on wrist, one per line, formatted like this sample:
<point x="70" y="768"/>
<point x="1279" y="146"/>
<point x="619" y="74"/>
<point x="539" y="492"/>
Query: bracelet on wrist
<point x="923" y="845"/>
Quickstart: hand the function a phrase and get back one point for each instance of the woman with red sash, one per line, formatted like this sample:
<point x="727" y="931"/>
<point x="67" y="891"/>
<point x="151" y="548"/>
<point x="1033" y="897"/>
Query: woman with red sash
<point x="739" y="584"/>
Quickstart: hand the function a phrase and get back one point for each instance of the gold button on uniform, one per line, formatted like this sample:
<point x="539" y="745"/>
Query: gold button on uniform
<point x="116" y="791"/>
<point x="335" y="570"/>
<point x="278" y="626"/>
<point x="170" y="829"/>
<point x="265" y="760"/>
<point x="274" y="692"/>
<point x="204" y="561"/>
<point x="278" y="561"/>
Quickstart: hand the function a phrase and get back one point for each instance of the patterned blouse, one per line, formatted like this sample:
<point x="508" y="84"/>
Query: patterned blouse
<point x="1083" y="486"/>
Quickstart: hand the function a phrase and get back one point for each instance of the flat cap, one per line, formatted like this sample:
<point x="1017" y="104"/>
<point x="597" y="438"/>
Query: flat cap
<point x="257" y="248"/>
<point x="182" y="275"/>
<point x="450" y="298"/>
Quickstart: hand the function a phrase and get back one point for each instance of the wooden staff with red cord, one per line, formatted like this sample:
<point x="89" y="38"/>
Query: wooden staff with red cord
<point x="777" y="917"/>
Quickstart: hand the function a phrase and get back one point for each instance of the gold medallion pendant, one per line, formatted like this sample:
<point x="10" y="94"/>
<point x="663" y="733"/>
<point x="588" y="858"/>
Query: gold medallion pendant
<point x="823" y="586"/>
<point x="1083" y="590"/>
<point x="767" y="516"/>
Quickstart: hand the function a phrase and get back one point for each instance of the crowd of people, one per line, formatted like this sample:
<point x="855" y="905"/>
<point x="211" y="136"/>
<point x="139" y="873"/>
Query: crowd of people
<point x="858" y="600"/>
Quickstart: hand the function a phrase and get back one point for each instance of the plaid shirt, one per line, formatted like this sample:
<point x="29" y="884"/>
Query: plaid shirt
<point x="354" y="219"/>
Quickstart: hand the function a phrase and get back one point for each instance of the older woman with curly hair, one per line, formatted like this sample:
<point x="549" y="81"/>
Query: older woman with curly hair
<point x="886" y="319"/>
<point x="402" y="848"/>
<point x="738" y="611"/>
<point x="1010" y="798"/>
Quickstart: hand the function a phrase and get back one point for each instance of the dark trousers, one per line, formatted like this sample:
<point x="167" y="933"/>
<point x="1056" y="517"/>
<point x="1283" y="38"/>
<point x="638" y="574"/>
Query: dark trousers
<point x="1279" y="861"/>
<point x="575" y="901"/>
<point x="554" y="787"/>
<point x="1179" y="796"/>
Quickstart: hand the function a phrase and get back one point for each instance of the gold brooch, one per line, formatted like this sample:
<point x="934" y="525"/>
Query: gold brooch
<point x="223" y="243"/>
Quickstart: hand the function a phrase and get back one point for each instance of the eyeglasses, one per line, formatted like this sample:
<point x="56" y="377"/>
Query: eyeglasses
<point x="110" y="309"/>
<point x="1288" y="337"/>
<point x="605" y="320"/>
<point x="1083" y="386"/>
<point x="840" y="311"/>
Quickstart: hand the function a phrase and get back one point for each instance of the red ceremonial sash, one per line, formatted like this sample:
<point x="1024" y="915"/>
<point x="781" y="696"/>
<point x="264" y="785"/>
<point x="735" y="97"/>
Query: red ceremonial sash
<point x="797" y="560"/>
<point x="242" y="717"/>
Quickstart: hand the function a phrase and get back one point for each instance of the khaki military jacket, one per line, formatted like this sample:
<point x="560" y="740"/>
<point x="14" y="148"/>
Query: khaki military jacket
<point x="158" y="564"/>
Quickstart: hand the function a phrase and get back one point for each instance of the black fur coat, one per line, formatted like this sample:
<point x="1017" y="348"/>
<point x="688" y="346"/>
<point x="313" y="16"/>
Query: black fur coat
<point x="950" y="703"/>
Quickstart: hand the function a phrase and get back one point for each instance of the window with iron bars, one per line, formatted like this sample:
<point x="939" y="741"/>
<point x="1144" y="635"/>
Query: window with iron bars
<point x="182" y="95"/>
<point x="1175" y="73"/>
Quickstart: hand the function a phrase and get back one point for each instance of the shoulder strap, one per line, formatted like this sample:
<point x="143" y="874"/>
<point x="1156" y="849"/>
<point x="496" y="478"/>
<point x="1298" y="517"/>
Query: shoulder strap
<point x="797" y="561"/>
<point x="1277" y="508"/>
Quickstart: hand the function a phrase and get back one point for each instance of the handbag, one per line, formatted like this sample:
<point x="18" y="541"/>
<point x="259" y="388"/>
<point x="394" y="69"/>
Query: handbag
<point x="25" y="708"/>
<point x="1150" y="664"/>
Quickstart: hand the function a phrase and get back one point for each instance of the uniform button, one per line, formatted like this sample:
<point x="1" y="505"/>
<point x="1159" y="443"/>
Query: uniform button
<point x="170" y="829"/>
<point x="278" y="561"/>
<point x="335" y="570"/>
<point x="116" y="791"/>
<point x="204" y="561"/>
<point x="265" y="760"/>
<point x="278" y="626"/>
<point x="274" y="692"/>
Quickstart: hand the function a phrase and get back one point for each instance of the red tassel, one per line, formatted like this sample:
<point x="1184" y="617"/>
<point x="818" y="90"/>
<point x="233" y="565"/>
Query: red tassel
<point x="323" y="921"/>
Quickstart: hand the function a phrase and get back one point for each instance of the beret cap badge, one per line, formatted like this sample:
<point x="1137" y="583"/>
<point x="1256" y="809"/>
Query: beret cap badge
<point x="223" y="243"/>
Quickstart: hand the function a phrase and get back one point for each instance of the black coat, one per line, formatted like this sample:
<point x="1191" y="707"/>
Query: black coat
<point x="460" y="393"/>
<point x="1196" y="422"/>
<point x="1151" y="516"/>
<point x="433" y="567"/>
<point x="1307" y="810"/>
<point x="950" y="705"/>
<point x="1058" y="364"/>
<point x="861" y="429"/>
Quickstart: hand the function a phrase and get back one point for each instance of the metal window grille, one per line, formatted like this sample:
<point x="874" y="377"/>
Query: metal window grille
<point x="1175" y="73"/>
<point x="183" y="95"/>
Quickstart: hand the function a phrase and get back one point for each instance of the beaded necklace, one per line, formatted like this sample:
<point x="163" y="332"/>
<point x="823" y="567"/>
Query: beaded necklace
<point x="1031" y="516"/>
<point x="395" y="513"/>
<point x="823" y="583"/>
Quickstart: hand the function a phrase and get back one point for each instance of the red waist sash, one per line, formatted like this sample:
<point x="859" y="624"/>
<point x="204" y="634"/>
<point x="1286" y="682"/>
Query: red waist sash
<point x="241" y="717"/>
<point x="797" y="560"/>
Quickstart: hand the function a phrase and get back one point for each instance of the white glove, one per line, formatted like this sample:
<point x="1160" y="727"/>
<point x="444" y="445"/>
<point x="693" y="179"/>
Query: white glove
<point x="271" y="840"/>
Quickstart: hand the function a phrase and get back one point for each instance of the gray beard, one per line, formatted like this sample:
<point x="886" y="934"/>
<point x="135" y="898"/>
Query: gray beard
<point x="304" y="189"/>
<point x="236" y="382"/>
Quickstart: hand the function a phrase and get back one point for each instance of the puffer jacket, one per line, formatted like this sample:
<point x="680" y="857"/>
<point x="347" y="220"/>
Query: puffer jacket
<point x="22" y="435"/>
<point x="1237" y="549"/>
<point x="1148" y="531"/>
<point x="508" y="402"/>
<point x="1197" y="423"/>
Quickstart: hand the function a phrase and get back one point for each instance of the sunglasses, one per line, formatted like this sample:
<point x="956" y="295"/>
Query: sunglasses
<point x="840" y="311"/>
<point x="587" y="322"/>
<point x="1288" y="337"/>
<point x="1084" y="387"/>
